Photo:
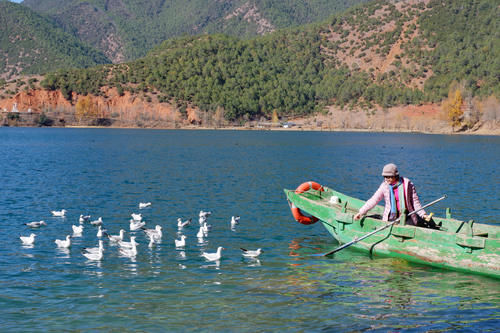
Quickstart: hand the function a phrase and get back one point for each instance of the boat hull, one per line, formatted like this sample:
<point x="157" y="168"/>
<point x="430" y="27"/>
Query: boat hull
<point x="457" y="245"/>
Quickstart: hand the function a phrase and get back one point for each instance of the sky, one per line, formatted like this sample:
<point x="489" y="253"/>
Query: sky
<point x="18" y="1"/>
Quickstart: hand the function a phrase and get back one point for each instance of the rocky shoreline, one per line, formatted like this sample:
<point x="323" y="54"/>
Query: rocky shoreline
<point x="41" y="108"/>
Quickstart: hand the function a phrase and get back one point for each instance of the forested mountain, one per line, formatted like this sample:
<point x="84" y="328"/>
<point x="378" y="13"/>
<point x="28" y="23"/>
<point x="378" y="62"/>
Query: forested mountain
<point x="381" y="54"/>
<point x="128" y="29"/>
<point x="31" y="43"/>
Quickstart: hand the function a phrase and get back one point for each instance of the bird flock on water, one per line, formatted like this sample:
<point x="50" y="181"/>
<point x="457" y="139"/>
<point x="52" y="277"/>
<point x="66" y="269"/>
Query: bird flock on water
<point x="137" y="223"/>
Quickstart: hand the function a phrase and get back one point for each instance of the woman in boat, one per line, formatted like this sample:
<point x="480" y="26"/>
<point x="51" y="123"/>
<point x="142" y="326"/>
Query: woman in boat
<point x="392" y="189"/>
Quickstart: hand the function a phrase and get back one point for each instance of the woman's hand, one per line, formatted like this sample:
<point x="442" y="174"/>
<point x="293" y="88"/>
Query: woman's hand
<point x="357" y="216"/>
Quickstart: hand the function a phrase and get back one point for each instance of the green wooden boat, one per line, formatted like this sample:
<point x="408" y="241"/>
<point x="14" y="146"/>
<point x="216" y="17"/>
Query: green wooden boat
<point x="452" y="244"/>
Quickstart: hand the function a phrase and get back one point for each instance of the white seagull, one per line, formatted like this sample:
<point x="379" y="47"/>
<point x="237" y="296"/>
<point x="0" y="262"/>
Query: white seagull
<point x="30" y="240"/>
<point x="251" y="253"/>
<point x="93" y="256"/>
<point x="144" y="205"/>
<point x="63" y="243"/>
<point x="155" y="233"/>
<point x="205" y="214"/>
<point x="136" y="225"/>
<point x="128" y="245"/>
<point x="59" y="213"/>
<point x="35" y="224"/>
<point x="234" y="221"/>
<point x="77" y="230"/>
<point x="83" y="218"/>
<point x="97" y="222"/>
<point x="180" y="242"/>
<point x="100" y="231"/>
<point x="116" y="238"/>
<point x="200" y="233"/>
<point x="129" y="252"/>
<point x="136" y="217"/>
<point x="206" y="227"/>
<point x="181" y="224"/>
<point x="94" y="250"/>
<point x="213" y="256"/>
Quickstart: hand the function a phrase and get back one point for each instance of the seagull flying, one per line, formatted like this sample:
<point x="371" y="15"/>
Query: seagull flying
<point x="35" y="224"/>
<point x="213" y="256"/>
<point x="63" y="243"/>
<point x="251" y="253"/>
<point x="30" y="240"/>
<point x="60" y="213"/>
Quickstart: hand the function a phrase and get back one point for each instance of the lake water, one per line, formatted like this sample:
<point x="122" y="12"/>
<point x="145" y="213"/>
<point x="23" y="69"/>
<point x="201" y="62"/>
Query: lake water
<point x="107" y="172"/>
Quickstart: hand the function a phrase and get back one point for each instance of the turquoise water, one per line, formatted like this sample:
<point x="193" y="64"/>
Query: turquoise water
<point x="108" y="172"/>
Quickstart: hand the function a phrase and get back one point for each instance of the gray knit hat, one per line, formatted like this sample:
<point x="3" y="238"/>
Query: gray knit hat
<point x="390" y="170"/>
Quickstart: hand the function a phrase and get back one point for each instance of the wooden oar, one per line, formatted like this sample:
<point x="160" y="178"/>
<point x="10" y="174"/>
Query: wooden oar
<point x="355" y="240"/>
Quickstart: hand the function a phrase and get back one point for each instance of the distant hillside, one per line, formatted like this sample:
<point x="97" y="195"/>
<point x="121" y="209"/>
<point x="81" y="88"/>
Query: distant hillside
<point x="126" y="30"/>
<point x="378" y="55"/>
<point x="31" y="43"/>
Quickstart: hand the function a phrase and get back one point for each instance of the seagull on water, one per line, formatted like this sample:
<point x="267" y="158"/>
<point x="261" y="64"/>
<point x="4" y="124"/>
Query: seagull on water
<point x="234" y="221"/>
<point x="35" y="224"/>
<point x="251" y="253"/>
<point x="93" y="256"/>
<point x="205" y="214"/>
<point x="200" y="233"/>
<point x="28" y="240"/>
<point x="144" y="205"/>
<point x="59" y="213"/>
<point x="180" y="242"/>
<point x="136" y="225"/>
<point x="206" y="227"/>
<point x="77" y="230"/>
<point x="63" y="243"/>
<point x="181" y="224"/>
<point x="94" y="250"/>
<point x="100" y="231"/>
<point x="83" y="218"/>
<point x="116" y="238"/>
<point x="213" y="256"/>
<point x="136" y="217"/>
<point x="128" y="245"/>
<point x="129" y="252"/>
<point x="155" y="233"/>
<point x="97" y="222"/>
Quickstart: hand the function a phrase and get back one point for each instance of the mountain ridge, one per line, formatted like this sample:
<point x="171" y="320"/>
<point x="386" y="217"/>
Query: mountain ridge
<point x="371" y="58"/>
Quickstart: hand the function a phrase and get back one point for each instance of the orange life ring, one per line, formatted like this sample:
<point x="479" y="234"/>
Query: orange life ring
<point x="297" y="214"/>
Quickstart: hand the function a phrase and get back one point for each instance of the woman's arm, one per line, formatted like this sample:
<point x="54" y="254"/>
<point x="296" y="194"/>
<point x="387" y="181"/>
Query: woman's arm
<point x="372" y="202"/>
